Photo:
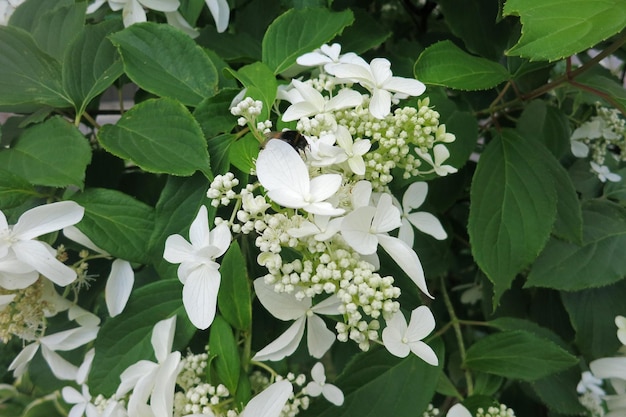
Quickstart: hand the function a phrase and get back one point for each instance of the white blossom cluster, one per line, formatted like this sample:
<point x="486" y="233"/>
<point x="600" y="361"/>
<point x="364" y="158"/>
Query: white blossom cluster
<point x="501" y="411"/>
<point x="602" y="136"/>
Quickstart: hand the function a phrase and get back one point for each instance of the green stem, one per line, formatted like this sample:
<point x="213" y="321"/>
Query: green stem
<point x="459" y="335"/>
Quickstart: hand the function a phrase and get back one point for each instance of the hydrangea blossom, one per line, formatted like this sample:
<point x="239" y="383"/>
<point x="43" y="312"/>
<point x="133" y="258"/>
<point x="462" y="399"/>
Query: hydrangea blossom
<point x="318" y="386"/>
<point x="22" y="258"/>
<point x="413" y="198"/>
<point x="198" y="270"/>
<point x="400" y="338"/>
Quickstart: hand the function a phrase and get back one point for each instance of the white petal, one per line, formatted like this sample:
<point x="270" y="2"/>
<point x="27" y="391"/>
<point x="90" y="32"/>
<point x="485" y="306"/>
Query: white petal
<point x="299" y="110"/>
<point x="178" y="21"/>
<point x="220" y="239"/>
<point x="83" y="317"/>
<point x="387" y="216"/>
<point x="6" y="299"/>
<point x="406" y="259"/>
<point x="313" y="389"/>
<point x="71" y="395"/>
<point x="283" y="306"/>
<point x="270" y="402"/>
<point x="407" y="86"/>
<point x="357" y="165"/>
<point x="458" y="410"/>
<point x="284" y="345"/>
<point x="319" y="338"/>
<point x="310" y="95"/>
<point x="47" y="218"/>
<point x="161" y="5"/>
<point x="329" y="306"/>
<point x="15" y="274"/>
<point x="381" y="70"/>
<point x="279" y="166"/>
<point x="85" y="367"/>
<point x="324" y="186"/>
<point x="318" y="374"/>
<point x="428" y="224"/>
<point x="361" y="194"/>
<point x="441" y="153"/>
<point x="162" y="397"/>
<point x="406" y="233"/>
<point x="137" y="403"/>
<point x="21" y="361"/>
<point x="414" y="196"/>
<point x="163" y="337"/>
<point x="392" y="339"/>
<point x="200" y="296"/>
<point x="131" y="376"/>
<point x="380" y="104"/>
<point x="119" y="286"/>
<point x="287" y="197"/>
<point x="133" y="13"/>
<point x="358" y="73"/>
<point x="221" y="13"/>
<point x="70" y="339"/>
<point x="333" y="394"/>
<point x="178" y="250"/>
<point x="60" y="367"/>
<point x="609" y="368"/>
<point x="73" y="233"/>
<point x="199" y="234"/>
<point x="579" y="149"/>
<point x="355" y="229"/>
<point x="425" y="352"/>
<point x="95" y="6"/>
<point x="323" y="209"/>
<point x="313" y="59"/>
<point x="38" y="255"/>
<point x="344" y="99"/>
<point x="421" y="324"/>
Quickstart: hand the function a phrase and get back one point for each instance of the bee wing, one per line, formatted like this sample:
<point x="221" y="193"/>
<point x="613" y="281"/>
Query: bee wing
<point x="280" y="167"/>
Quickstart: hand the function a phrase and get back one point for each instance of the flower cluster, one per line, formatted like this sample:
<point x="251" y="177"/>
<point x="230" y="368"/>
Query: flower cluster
<point x="601" y="136"/>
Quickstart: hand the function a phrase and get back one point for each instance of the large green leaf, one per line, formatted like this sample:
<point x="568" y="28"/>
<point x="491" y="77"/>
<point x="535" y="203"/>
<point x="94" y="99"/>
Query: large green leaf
<point x="117" y="223"/>
<point x="54" y="30"/>
<point x="159" y="135"/>
<point x="366" y="33"/>
<point x="260" y="84"/>
<point x="166" y="62"/>
<point x="512" y="208"/>
<point x="446" y="64"/>
<point x="29" y="13"/>
<point x="213" y="114"/>
<point x="14" y="190"/>
<point x="558" y="391"/>
<point x="592" y="313"/>
<point x="29" y="78"/>
<point x="299" y="31"/>
<point x="223" y="346"/>
<point x="608" y="89"/>
<point x="378" y="384"/>
<point x="234" y="299"/>
<point x="125" y="339"/>
<point x="547" y="124"/>
<point x="52" y="153"/>
<point x="597" y="262"/>
<point x="91" y="64"/>
<point x="554" y="29"/>
<point x="518" y="355"/>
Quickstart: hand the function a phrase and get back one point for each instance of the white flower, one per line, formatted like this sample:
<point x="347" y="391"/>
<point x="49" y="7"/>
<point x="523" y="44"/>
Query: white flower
<point x="329" y="56"/>
<point x="354" y="149"/>
<point x="313" y="102"/>
<point x="379" y="80"/>
<point x="603" y="173"/>
<point x="366" y="227"/>
<point x="322" y="228"/>
<point x="120" y="280"/>
<point x="198" y="270"/>
<point x="400" y="339"/>
<point x="22" y="258"/>
<point x="620" y="322"/>
<point x="286" y="307"/>
<point x="323" y="152"/>
<point x="413" y="198"/>
<point x="590" y="383"/>
<point x="285" y="176"/>
<point x="221" y="13"/>
<point x="458" y="410"/>
<point x="270" y="402"/>
<point x="133" y="10"/>
<point x="320" y="386"/>
<point x="441" y="155"/>
<point x="151" y="380"/>
<point x="588" y="130"/>
<point x="81" y="400"/>
<point x="61" y="341"/>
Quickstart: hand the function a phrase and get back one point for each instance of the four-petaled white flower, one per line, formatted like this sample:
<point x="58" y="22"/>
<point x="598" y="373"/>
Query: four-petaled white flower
<point x="603" y="173"/>
<point x="121" y="278"/>
<point x="441" y="155"/>
<point x="400" y="339"/>
<point x="22" y="258"/>
<point x="366" y="227"/>
<point x="354" y="149"/>
<point x="286" y="307"/>
<point x="413" y="198"/>
<point x="379" y="80"/>
<point x="329" y="56"/>
<point x="285" y="177"/>
<point x="133" y="10"/>
<point x="153" y="381"/>
<point x="198" y="270"/>
<point x="318" y="386"/>
<point x="313" y="102"/>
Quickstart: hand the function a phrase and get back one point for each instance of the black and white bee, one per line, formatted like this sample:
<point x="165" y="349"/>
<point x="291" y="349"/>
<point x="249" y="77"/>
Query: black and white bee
<point x="292" y="137"/>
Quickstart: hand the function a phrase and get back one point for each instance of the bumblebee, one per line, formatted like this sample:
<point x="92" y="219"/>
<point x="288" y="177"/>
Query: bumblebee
<point x="292" y="137"/>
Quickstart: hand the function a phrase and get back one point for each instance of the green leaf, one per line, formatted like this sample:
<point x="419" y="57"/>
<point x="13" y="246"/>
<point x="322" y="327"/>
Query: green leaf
<point x="125" y="339"/>
<point x="223" y="345"/>
<point x="53" y="153"/>
<point x="117" y="223"/>
<point x="55" y="29"/>
<point x="446" y="64"/>
<point x="512" y="207"/>
<point x="234" y="299"/>
<point x="517" y="355"/>
<point x="555" y="29"/>
<point x="548" y="124"/>
<point x="243" y="152"/>
<point x="610" y="91"/>
<point x="558" y="391"/>
<point x="260" y="84"/>
<point x="240" y="47"/>
<point x="91" y="64"/>
<point x="364" y="34"/>
<point x="178" y="204"/>
<point x="297" y="32"/>
<point x="14" y="190"/>
<point x="213" y="113"/>
<point x="29" y="78"/>
<point x="595" y="263"/>
<point x="28" y="15"/>
<point x="592" y="314"/>
<point x="476" y="23"/>
<point x="159" y="135"/>
<point x="152" y="59"/>
<point x="219" y="150"/>
<point x="378" y="384"/>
